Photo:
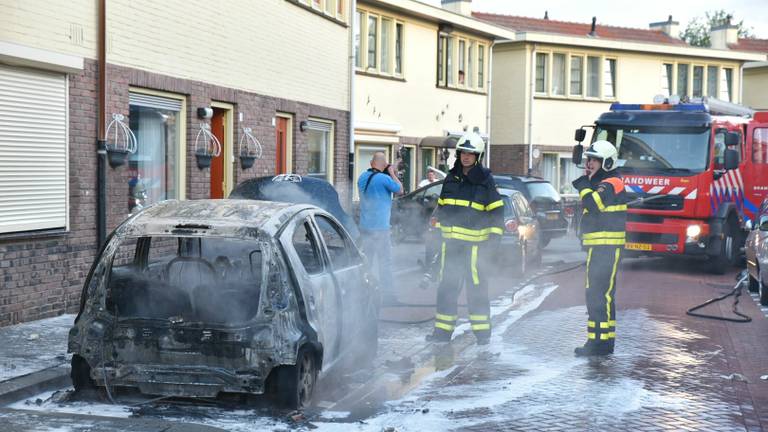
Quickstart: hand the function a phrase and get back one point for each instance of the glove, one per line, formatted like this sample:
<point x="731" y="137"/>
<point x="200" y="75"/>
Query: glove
<point x="582" y="183"/>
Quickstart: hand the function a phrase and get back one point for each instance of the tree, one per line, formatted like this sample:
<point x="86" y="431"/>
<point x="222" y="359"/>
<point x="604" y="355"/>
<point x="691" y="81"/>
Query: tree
<point x="696" y="33"/>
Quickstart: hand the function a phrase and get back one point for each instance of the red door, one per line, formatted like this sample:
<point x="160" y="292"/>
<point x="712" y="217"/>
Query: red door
<point x="217" y="164"/>
<point x="281" y="138"/>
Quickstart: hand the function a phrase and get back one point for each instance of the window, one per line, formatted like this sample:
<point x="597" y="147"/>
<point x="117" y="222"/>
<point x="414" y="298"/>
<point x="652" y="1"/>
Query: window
<point x="682" y="79"/>
<point x="462" y="62"/>
<point x="340" y="249"/>
<point x="666" y="79"/>
<point x="358" y="45"/>
<point x="307" y="248"/>
<point x="154" y="170"/>
<point x="549" y="167"/>
<point x="373" y="23"/>
<point x="320" y="149"/>
<point x="698" y="81"/>
<point x="760" y="145"/>
<point x="427" y="160"/>
<point x="568" y="173"/>
<point x="33" y="150"/>
<point x="386" y="38"/>
<point x="712" y="81"/>
<point x="593" y="77"/>
<point x="330" y="7"/>
<point x="558" y="74"/>
<point x="480" y="66"/>
<point x="442" y="41"/>
<point x="449" y="61"/>
<point x="541" y="72"/>
<point x="726" y="85"/>
<point x="577" y="66"/>
<point x="399" y="48"/>
<point x="471" y="65"/>
<point x="609" y="81"/>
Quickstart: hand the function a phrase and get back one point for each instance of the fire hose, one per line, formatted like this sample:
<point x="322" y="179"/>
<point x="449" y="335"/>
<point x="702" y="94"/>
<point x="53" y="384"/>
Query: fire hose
<point x="736" y="293"/>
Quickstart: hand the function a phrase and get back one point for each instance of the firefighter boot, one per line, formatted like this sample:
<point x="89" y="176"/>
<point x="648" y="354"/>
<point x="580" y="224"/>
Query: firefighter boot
<point x="439" y="336"/>
<point x="593" y="349"/>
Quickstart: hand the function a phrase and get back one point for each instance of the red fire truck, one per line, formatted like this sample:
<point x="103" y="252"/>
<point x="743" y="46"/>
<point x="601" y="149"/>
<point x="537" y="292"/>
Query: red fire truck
<point x="696" y="172"/>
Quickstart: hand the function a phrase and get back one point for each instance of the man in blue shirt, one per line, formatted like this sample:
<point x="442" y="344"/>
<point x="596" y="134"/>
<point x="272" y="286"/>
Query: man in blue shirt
<point x="376" y="187"/>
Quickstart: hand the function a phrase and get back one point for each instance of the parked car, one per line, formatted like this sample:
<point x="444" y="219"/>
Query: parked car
<point x="756" y="252"/>
<point x="202" y="297"/>
<point x="411" y="212"/>
<point x="520" y="244"/>
<point x="545" y="201"/>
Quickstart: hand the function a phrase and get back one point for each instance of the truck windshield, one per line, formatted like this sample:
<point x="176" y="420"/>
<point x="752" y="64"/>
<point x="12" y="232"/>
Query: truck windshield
<point x="659" y="149"/>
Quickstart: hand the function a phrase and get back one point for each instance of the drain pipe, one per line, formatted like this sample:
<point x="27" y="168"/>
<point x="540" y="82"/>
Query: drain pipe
<point x="488" y="105"/>
<point x="351" y="155"/>
<point x="532" y="89"/>
<point x="101" y="142"/>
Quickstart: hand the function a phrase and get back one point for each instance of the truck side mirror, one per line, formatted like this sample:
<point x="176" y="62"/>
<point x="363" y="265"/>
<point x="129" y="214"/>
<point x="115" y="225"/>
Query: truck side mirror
<point x="580" y="135"/>
<point x="748" y="225"/>
<point x="732" y="138"/>
<point x="731" y="159"/>
<point x="578" y="153"/>
<point x="763" y="226"/>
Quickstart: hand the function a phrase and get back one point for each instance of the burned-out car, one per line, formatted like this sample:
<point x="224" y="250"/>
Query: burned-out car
<point x="198" y="298"/>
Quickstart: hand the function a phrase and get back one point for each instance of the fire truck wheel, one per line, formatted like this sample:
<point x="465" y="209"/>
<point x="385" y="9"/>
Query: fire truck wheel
<point x="729" y="248"/>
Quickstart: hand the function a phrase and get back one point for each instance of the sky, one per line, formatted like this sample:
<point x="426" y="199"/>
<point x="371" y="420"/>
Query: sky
<point x="625" y="13"/>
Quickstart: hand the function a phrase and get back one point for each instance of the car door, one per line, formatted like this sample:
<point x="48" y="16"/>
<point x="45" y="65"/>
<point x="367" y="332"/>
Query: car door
<point x="348" y="272"/>
<point x="313" y="274"/>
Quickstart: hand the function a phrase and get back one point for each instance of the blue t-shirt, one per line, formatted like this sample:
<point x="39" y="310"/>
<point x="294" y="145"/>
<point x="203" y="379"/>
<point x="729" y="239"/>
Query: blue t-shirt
<point x="376" y="202"/>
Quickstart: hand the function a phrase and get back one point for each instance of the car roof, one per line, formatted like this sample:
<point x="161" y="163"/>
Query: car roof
<point x="509" y="192"/>
<point x="220" y="217"/>
<point x="523" y="178"/>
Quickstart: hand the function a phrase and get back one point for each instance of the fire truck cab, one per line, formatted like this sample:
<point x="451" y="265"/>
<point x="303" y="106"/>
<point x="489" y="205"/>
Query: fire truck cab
<point x="695" y="173"/>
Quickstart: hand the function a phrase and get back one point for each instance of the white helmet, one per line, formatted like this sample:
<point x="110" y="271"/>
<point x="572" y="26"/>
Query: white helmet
<point x="471" y="142"/>
<point x="605" y="151"/>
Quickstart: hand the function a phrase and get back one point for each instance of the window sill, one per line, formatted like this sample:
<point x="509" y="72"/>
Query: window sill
<point x="31" y="235"/>
<point x="573" y="98"/>
<point x="378" y="75"/>
<point x="318" y="12"/>
<point x="462" y="90"/>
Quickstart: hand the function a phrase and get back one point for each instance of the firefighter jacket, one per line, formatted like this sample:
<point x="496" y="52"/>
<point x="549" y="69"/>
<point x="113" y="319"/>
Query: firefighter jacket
<point x="605" y="209"/>
<point x="470" y="208"/>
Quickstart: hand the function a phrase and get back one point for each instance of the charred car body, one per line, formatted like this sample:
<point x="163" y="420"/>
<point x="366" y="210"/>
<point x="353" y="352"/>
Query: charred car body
<point x="197" y="298"/>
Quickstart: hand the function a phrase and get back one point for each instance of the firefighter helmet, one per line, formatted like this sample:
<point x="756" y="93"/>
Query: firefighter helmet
<point x="471" y="142"/>
<point x="606" y="152"/>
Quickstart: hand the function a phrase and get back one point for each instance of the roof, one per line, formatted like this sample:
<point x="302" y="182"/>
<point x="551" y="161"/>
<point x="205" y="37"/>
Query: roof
<point x="241" y="218"/>
<point x="757" y="45"/>
<point x="519" y="23"/>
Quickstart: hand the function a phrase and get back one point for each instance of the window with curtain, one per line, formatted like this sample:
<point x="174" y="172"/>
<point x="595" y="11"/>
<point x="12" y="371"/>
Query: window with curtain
<point x="558" y="74"/>
<point x="550" y="168"/>
<point x="480" y="66"/>
<point x="541" y="72"/>
<point x="568" y="173"/>
<point x="593" y="76"/>
<point x="386" y="39"/>
<point x="462" y="63"/>
<point x="471" y="65"/>
<point x="666" y="79"/>
<point x="682" y="80"/>
<point x="449" y="60"/>
<point x="319" y="147"/>
<point x="442" y="41"/>
<point x="698" y="81"/>
<point x="577" y="67"/>
<point x="373" y="23"/>
<point x="726" y="85"/>
<point x="153" y="168"/>
<point x="399" y="48"/>
<point x="609" y="81"/>
<point x="712" y="81"/>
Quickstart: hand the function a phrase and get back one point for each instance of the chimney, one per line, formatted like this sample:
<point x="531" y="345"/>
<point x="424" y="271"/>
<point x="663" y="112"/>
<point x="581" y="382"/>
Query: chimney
<point x="668" y="27"/>
<point x="723" y="35"/>
<point x="593" y="29"/>
<point x="463" y="7"/>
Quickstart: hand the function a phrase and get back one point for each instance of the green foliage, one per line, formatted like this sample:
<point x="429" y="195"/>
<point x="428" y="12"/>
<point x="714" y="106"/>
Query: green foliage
<point x="696" y="33"/>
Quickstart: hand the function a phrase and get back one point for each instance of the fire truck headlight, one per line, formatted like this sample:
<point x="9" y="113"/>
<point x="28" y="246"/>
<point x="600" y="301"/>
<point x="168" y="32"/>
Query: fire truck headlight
<point x="693" y="231"/>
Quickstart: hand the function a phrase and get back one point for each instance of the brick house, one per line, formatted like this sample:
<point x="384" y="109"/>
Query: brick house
<point x="244" y="65"/>
<point x="555" y="76"/>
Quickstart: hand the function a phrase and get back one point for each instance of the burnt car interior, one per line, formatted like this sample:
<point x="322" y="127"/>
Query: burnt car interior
<point x="190" y="279"/>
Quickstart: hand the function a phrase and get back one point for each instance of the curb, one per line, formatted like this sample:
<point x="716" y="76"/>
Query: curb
<point x="34" y="383"/>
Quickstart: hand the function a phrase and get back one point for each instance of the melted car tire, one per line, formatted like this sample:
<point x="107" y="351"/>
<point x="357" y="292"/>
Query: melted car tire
<point x="753" y="285"/>
<point x="296" y="383"/>
<point x="81" y="375"/>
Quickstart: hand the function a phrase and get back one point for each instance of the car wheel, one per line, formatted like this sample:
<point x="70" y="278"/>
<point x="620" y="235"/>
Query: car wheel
<point x="81" y="374"/>
<point x="728" y="250"/>
<point x="296" y="383"/>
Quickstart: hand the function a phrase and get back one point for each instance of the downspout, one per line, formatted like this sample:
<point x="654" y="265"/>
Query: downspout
<point x="530" y="109"/>
<point x="741" y="83"/>
<point x="488" y="105"/>
<point x="101" y="142"/>
<point x="351" y="156"/>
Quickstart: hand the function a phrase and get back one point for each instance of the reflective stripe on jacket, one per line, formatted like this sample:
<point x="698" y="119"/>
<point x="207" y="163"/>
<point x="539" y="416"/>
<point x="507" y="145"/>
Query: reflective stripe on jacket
<point x="470" y="208"/>
<point x="605" y="211"/>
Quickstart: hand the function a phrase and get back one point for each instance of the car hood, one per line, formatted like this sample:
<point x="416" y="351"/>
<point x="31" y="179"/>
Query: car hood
<point x="297" y="189"/>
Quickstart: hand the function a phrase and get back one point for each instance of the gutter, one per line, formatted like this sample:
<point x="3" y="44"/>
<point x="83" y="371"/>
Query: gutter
<point x="532" y="90"/>
<point x="489" y="89"/>
<point x="101" y="142"/>
<point x="351" y="155"/>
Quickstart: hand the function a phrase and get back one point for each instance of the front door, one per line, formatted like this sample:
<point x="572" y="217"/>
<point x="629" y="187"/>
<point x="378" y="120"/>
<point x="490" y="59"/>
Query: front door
<point x="218" y="129"/>
<point x="281" y="138"/>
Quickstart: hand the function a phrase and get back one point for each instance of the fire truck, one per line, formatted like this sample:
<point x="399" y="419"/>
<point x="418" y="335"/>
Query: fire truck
<point x="696" y="173"/>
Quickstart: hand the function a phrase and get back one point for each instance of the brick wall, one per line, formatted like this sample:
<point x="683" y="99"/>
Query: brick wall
<point x="42" y="277"/>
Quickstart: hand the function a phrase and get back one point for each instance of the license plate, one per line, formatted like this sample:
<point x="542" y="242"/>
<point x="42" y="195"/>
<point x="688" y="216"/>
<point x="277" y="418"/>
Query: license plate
<point x="638" y="246"/>
<point x="552" y="216"/>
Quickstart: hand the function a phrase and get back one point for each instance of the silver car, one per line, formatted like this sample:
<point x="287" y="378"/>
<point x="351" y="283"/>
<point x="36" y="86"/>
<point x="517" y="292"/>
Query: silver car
<point x="198" y="298"/>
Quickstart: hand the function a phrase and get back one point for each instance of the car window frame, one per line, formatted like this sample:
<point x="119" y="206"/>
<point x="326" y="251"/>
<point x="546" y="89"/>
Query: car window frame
<point x="348" y="243"/>
<point x="306" y="217"/>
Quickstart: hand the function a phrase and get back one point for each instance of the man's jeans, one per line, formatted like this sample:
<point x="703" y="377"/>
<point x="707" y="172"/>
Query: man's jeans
<point x="377" y="246"/>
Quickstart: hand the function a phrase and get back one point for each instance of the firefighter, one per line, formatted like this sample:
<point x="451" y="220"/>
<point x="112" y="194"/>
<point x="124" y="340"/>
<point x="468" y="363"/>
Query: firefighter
<point x="602" y="234"/>
<point x="470" y="216"/>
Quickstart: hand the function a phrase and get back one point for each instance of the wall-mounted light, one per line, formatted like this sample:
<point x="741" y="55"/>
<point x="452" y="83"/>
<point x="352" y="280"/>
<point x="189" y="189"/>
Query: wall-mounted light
<point x="205" y="112"/>
<point x="303" y="125"/>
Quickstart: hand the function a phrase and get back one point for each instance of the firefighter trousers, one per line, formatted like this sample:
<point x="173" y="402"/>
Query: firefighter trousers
<point x="602" y="267"/>
<point x="460" y="265"/>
